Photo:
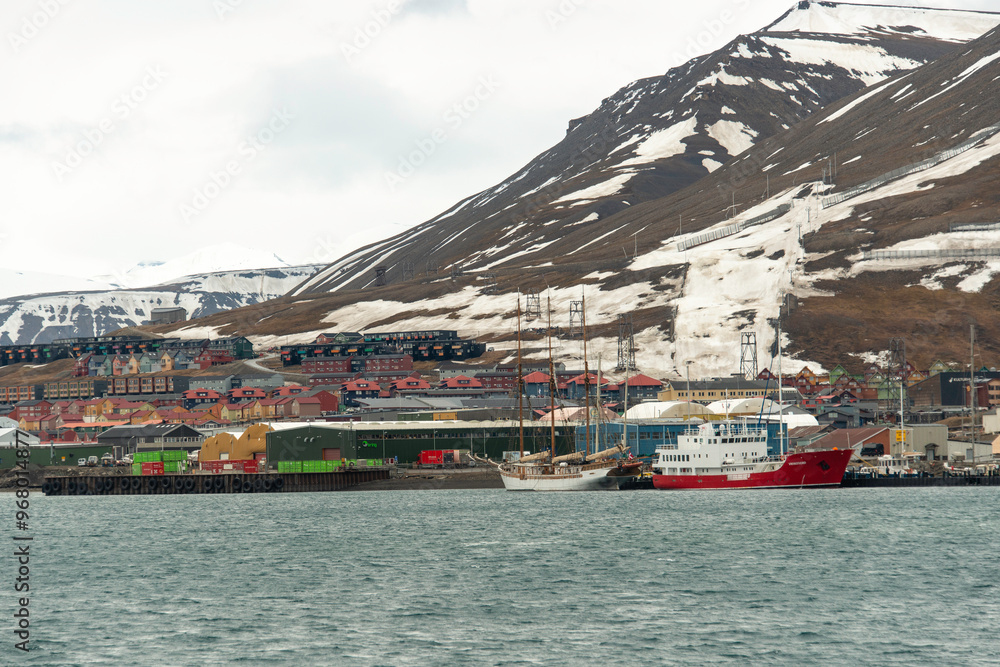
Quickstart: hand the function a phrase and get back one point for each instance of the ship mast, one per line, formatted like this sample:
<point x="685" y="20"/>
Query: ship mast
<point x="520" y="382"/>
<point x="586" y="383"/>
<point x="972" y="385"/>
<point x="781" y="404"/>
<point x="600" y="407"/>
<point x="552" y="384"/>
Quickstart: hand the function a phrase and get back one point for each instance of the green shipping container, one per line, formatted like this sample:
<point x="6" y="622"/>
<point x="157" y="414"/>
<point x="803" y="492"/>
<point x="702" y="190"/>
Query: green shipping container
<point x="137" y="469"/>
<point x="172" y="466"/>
<point x="295" y="466"/>
<point x="174" y="455"/>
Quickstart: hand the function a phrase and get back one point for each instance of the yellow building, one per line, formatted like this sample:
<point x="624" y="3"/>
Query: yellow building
<point x="226" y="446"/>
<point x="714" y="390"/>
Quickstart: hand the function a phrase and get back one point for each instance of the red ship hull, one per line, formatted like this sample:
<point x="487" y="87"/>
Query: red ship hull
<point x="821" y="468"/>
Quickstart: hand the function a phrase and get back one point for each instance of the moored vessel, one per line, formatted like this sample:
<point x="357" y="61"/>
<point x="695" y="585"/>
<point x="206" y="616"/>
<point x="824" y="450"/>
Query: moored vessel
<point x="733" y="455"/>
<point x="578" y="471"/>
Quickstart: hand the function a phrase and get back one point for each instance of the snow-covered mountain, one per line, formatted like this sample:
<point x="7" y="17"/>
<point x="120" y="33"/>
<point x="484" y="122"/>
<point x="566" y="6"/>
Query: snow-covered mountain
<point x="656" y="136"/>
<point x="19" y="283"/>
<point x="46" y="317"/>
<point x="211" y="259"/>
<point x="872" y="216"/>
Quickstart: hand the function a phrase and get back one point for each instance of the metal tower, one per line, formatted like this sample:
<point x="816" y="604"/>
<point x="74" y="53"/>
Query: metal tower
<point x="626" y="344"/>
<point x="533" y="306"/>
<point x="491" y="283"/>
<point x="575" y="319"/>
<point x="380" y="276"/>
<point x="748" y="355"/>
<point x="407" y="270"/>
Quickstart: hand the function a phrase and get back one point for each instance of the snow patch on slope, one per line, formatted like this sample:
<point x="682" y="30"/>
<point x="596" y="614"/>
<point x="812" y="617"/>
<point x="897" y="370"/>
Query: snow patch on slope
<point x="664" y="143"/>
<point x="732" y="135"/>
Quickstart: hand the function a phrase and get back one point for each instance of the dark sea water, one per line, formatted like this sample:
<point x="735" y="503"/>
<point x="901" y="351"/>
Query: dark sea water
<point x="841" y="576"/>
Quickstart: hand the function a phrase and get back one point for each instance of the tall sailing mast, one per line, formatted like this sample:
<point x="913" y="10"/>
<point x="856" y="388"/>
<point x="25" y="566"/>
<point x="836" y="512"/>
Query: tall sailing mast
<point x="552" y="384"/>
<point x="586" y="382"/>
<point x="520" y="382"/>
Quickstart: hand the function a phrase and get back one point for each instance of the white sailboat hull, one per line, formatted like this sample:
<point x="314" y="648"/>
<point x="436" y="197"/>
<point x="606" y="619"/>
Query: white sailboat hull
<point x="561" y="478"/>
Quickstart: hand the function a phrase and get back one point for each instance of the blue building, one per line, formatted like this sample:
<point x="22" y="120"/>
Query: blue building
<point x="644" y="436"/>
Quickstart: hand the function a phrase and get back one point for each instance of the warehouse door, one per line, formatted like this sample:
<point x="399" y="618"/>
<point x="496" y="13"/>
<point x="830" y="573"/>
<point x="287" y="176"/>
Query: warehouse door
<point x="331" y="453"/>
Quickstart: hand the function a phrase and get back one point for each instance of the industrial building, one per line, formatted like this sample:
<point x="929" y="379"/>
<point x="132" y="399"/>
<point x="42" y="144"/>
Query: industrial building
<point x="405" y="440"/>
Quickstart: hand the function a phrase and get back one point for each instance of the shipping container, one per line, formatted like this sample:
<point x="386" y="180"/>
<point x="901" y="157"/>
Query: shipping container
<point x="147" y="457"/>
<point x="136" y="468"/>
<point x="152" y="468"/>
<point x="174" y="455"/>
<point x="440" y="458"/>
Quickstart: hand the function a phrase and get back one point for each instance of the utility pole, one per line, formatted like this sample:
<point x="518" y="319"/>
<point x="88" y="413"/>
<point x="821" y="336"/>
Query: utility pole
<point x="689" y="388"/>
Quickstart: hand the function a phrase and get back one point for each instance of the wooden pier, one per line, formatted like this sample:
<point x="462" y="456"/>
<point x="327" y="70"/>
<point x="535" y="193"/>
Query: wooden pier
<point x="865" y="482"/>
<point x="127" y="485"/>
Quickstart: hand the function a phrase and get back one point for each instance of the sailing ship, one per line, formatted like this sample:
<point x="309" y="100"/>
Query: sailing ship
<point x="544" y="471"/>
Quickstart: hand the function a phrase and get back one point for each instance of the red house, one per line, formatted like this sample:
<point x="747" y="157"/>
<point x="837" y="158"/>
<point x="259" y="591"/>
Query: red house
<point x="461" y="382"/>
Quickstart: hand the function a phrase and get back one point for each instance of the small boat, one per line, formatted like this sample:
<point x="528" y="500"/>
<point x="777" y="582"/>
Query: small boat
<point x="630" y="467"/>
<point x="733" y="455"/>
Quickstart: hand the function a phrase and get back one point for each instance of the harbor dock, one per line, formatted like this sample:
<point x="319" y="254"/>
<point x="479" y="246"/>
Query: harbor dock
<point x="127" y="485"/>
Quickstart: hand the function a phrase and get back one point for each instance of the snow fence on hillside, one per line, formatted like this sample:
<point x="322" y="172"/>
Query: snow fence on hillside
<point x="911" y="168"/>
<point x="729" y="230"/>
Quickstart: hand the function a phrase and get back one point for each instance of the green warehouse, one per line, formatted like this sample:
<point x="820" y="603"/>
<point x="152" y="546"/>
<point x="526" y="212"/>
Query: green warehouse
<point x="385" y="440"/>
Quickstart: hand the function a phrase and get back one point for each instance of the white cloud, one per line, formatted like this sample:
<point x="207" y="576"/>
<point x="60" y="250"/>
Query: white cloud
<point x="322" y="178"/>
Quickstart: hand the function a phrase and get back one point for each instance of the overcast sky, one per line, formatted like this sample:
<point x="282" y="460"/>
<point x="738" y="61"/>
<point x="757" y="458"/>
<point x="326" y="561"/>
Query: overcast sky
<point x="136" y="130"/>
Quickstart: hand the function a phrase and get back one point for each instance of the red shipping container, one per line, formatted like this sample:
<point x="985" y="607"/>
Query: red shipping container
<point x="439" y="457"/>
<point x="152" y="468"/>
<point x="430" y="457"/>
<point x="250" y="467"/>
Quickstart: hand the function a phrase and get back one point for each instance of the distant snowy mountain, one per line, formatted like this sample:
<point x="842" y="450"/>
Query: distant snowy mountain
<point x="657" y="136"/>
<point x="212" y="259"/>
<point x="46" y="317"/>
<point x="18" y="283"/>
